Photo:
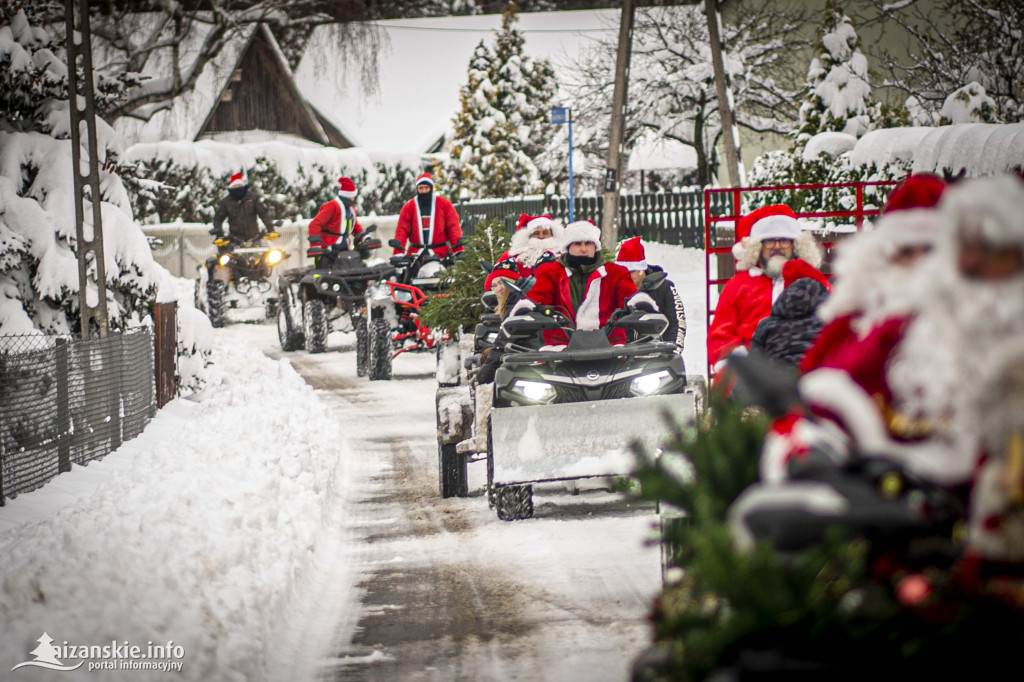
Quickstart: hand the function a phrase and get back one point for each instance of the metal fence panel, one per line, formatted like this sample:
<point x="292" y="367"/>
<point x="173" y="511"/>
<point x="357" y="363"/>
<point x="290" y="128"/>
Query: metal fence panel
<point x="65" y="400"/>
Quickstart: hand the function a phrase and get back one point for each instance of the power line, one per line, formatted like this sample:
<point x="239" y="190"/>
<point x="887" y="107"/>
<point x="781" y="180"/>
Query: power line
<point x="444" y="29"/>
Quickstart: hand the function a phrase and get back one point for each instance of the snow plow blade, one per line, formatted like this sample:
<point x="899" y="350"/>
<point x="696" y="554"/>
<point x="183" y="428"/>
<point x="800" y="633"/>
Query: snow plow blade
<point x="576" y="440"/>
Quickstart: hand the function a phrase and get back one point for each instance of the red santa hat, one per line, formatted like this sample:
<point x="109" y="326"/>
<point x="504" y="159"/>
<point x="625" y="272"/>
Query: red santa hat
<point x="236" y="180"/>
<point x="582" y="231"/>
<point x="920" y="190"/>
<point x="768" y="226"/>
<point x="530" y="222"/>
<point x="424" y="178"/>
<point x="346" y="188"/>
<point x="505" y="269"/>
<point x="798" y="268"/>
<point x="631" y="255"/>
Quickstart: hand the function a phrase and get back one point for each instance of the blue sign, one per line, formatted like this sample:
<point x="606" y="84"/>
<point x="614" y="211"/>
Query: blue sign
<point x="559" y="115"/>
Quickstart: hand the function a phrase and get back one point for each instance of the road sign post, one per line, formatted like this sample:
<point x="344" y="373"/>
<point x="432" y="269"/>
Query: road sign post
<point x="561" y="115"/>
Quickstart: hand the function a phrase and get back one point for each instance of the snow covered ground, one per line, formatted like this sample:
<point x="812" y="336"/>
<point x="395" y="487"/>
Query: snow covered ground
<point x="227" y="527"/>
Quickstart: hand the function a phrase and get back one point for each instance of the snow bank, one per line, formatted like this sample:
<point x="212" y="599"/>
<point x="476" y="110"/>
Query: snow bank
<point x="171" y="538"/>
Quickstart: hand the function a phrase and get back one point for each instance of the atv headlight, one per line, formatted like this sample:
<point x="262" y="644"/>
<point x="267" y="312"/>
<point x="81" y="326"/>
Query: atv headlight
<point x="224" y="259"/>
<point x="403" y="295"/>
<point x="649" y="383"/>
<point x="537" y="391"/>
<point x="274" y="257"/>
<point x="336" y="287"/>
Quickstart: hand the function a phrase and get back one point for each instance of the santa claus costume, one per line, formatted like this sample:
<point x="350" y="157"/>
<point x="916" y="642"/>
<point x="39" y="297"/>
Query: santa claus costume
<point x="337" y="220"/>
<point x="427" y="219"/>
<point x="871" y="278"/>
<point x="606" y="287"/>
<point x="527" y="251"/>
<point x="748" y="296"/>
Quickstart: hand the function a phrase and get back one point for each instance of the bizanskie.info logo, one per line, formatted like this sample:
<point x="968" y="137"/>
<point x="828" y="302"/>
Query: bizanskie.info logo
<point x="114" y="656"/>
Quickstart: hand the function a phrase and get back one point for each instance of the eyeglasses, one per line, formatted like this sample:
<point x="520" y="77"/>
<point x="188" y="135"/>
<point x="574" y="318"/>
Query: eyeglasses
<point x="776" y="242"/>
<point x="542" y="232"/>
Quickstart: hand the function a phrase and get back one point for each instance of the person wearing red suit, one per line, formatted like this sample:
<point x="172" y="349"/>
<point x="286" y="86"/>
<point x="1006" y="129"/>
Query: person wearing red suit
<point x="582" y="286"/>
<point x="767" y="238"/>
<point x="873" y="267"/>
<point x="536" y="238"/>
<point x="427" y="219"/>
<point x="328" y="223"/>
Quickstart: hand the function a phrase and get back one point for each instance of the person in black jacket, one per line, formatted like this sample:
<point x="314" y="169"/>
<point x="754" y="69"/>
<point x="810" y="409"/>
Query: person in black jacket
<point x="652" y="279"/>
<point x="793" y="325"/>
<point x="241" y="208"/>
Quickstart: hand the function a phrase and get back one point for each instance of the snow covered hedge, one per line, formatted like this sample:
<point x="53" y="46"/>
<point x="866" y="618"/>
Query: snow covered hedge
<point x="185" y="180"/>
<point x="970" y="149"/>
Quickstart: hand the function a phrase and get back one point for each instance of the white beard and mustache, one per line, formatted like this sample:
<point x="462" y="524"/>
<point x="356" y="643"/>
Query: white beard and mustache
<point x="934" y="370"/>
<point x="773" y="266"/>
<point x="526" y="253"/>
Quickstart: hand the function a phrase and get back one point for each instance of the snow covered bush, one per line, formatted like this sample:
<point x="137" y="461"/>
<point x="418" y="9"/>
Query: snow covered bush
<point x="38" y="261"/>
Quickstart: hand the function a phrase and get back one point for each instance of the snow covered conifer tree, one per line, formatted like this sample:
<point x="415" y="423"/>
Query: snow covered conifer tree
<point x="501" y="127"/>
<point x="38" y="263"/>
<point x="838" y="94"/>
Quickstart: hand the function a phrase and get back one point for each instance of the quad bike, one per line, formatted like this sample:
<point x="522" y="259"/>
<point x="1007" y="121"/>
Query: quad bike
<point x="394" y="307"/>
<point x="560" y="416"/>
<point x="239" y="277"/>
<point x="329" y="295"/>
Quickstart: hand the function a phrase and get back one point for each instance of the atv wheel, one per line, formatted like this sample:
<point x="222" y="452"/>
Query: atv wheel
<point x="362" y="347"/>
<point x="287" y="334"/>
<point x="314" y="325"/>
<point x="380" y="350"/>
<point x="514" y="502"/>
<point x="216" y="290"/>
<point x="451" y="471"/>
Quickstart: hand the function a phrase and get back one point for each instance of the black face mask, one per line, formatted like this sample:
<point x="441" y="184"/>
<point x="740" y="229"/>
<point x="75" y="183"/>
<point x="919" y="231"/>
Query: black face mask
<point x="424" y="201"/>
<point x="237" y="192"/>
<point x="580" y="260"/>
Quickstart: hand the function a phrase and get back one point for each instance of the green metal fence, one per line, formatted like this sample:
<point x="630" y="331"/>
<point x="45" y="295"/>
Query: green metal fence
<point x="676" y="218"/>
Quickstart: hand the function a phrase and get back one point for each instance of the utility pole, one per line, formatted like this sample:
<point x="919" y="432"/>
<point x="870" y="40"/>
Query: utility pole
<point x="83" y="110"/>
<point x="730" y="132"/>
<point x="609" y="222"/>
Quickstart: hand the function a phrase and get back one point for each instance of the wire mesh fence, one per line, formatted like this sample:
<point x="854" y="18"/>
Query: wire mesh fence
<point x="64" y="401"/>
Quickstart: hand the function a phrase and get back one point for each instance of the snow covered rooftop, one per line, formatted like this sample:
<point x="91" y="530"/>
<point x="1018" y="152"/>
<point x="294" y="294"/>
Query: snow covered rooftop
<point x="422" y="64"/>
<point x="979" y="148"/>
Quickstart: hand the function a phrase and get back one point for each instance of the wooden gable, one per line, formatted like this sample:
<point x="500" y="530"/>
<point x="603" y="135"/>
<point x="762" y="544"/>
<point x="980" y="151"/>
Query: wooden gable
<point x="261" y="95"/>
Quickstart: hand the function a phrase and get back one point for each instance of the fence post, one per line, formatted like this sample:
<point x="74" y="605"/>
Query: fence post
<point x="165" y="347"/>
<point x="63" y="409"/>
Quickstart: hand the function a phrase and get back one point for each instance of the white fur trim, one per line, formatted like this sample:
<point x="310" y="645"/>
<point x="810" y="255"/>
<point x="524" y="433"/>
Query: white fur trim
<point x="641" y="297"/>
<point x="522" y="304"/>
<point x="633" y="265"/>
<point x="347" y="195"/>
<point x="581" y="231"/>
<point x="421" y="180"/>
<point x="775" y="227"/>
<point x="912" y="227"/>
<point x="540" y="221"/>
<point x="588" y="315"/>
<point x="989" y="208"/>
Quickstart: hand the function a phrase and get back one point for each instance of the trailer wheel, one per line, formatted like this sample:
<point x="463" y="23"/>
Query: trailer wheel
<point x="452" y="469"/>
<point x="362" y="347"/>
<point x="314" y="325"/>
<point x="380" y="350"/>
<point x="216" y="289"/>
<point x="514" y="502"/>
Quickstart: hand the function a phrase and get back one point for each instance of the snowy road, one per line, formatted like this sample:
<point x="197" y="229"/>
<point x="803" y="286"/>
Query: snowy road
<point x="446" y="591"/>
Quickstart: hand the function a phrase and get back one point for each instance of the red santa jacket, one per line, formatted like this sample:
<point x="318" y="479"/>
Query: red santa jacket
<point x="440" y="226"/>
<point x="327" y="223"/>
<point x="606" y="291"/>
<point x="745" y="301"/>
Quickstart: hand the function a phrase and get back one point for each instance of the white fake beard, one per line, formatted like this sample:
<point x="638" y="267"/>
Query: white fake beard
<point x="773" y="268"/>
<point x="528" y="253"/>
<point x="935" y="368"/>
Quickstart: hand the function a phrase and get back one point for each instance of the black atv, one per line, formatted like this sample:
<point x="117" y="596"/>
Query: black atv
<point x="240" y="276"/>
<point x="562" y="415"/>
<point x="329" y="295"/>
